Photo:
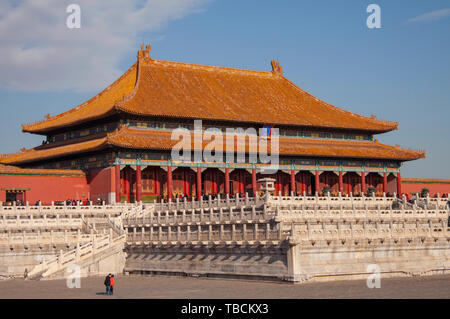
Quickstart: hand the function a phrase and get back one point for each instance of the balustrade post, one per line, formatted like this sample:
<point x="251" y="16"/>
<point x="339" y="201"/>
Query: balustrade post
<point x="233" y="231"/>
<point x="199" y="232"/>
<point x="77" y="253"/>
<point x="188" y="233"/>
<point x="51" y="236"/>
<point x="242" y="212"/>
<point x="60" y="258"/>
<point x="253" y="212"/>
<point x="255" y="231"/>
<point x="94" y="243"/>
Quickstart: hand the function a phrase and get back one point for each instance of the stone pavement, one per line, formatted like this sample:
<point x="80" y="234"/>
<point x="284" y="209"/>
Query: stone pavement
<point x="163" y="287"/>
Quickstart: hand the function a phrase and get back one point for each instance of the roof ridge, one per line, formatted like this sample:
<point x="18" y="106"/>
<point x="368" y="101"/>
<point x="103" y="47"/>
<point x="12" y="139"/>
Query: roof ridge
<point x="206" y="67"/>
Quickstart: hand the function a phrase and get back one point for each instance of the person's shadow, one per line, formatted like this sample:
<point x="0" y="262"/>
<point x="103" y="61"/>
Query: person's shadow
<point x="101" y="293"/>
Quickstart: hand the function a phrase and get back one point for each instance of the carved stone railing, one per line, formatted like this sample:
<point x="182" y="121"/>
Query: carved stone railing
<point x="210" y="215"/>
<point x="208" y="203"/>
<point x="40" y="239"/>
<point x="76" y="256"/>
<point x="39" y="223"/>
<point x="327" y="231"/>
<point x="92" y="210"/>
<point x="224" y="233"/>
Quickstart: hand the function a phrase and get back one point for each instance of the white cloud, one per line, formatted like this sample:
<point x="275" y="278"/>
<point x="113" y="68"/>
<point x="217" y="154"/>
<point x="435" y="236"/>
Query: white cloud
<point x="432" y="16"/>
<point x="38" y="51"/>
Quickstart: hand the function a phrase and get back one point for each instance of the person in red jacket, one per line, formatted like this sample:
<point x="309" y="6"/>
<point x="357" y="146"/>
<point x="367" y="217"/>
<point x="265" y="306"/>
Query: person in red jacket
<point x="111" y="283"/>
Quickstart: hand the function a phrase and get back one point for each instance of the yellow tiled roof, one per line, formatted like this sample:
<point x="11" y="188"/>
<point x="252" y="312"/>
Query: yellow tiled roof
<point x="161" y="140"/>
<point x="172" y="89"/>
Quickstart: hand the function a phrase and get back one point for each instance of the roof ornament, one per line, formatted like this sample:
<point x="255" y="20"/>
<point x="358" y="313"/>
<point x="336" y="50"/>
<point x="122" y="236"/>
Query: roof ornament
<point x="144" y="52"/>
<point x="276" y="67"/>
<point x="47" y="117"/>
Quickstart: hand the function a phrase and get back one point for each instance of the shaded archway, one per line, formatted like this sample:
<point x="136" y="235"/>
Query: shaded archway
<point x="329" y="179"/>
<point x="376" y="181"/>
<point x="213" y="181"/>
<point x="151" y="183"/>
<point x="240" y="181"/>
<point x="184" y="181"/>
<point x="304" y="182"/>
<point x="128" y="185"/>
<point x="391" y="184"/>
<point x="352" y="183"/>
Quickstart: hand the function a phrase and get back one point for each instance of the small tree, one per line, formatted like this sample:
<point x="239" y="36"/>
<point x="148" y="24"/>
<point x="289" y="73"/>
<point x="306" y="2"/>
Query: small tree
<point x="326" y="191"/>
<point x="425" y="192"/>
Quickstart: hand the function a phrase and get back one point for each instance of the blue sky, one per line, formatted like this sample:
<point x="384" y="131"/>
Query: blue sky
<point x="400" y="72"/>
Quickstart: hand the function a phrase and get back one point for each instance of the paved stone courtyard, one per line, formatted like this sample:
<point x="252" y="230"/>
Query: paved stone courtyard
<point x="162" y="287"/>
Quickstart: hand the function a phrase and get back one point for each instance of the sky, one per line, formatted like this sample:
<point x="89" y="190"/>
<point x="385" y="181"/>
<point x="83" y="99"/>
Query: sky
<point x="399" y="72"/>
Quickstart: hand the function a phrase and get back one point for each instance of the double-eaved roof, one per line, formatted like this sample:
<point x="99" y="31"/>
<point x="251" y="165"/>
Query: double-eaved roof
<point x="155" y="88"/>
<point x="146" y="139"/>
<point x="181" y="90"/>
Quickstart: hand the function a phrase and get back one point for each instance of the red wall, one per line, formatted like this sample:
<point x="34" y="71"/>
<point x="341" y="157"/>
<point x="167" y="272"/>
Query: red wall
<point x="434" y="188"/>
<point x="46" y="188"/>
<point x="102" y="183"/>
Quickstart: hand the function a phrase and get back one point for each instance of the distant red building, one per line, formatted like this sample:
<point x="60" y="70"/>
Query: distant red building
<point x="434" y="185"/>
<point x="121" y="138"/>
<point x="45" y="185"/>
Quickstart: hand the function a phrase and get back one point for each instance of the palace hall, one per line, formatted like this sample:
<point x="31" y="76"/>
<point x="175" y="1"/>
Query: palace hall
<point x="120" y="141"/>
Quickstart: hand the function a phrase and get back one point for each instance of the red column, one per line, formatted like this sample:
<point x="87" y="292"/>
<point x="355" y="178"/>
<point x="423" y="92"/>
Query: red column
<point x="138" y="183"/>
<point x="399" y="185"/>
<point x="293" y="182"/>
<point x="241" y="182"/>
<point x="363" y="182"/>
<point x="158" y="181"/>
<point x="341" y="183"/>
<point x="254" y="181"/>
<point x="117" y="177"/>
<point x="317" y="183"/>
<point x="278" y="186"/>
<point x="227" y="181"/>
<point x="385" y="183"/>
<point x="214" y="181"/>
<point x="187" y="182"/>
<point x="349" y="184"/>
<point x="199" y="183"/>
<point x="169" y="183"/>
